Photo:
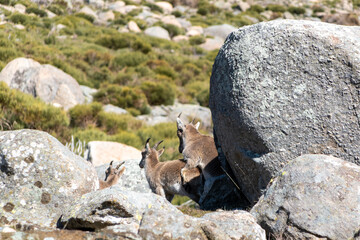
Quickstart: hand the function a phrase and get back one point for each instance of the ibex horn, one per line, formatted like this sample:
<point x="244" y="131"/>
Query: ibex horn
<point x="179" y="114"/>
<point x="120" y="164"/>
<point x="147" y="144"/>
<point x="111" y="163"/>
<point x="156" y="145"/>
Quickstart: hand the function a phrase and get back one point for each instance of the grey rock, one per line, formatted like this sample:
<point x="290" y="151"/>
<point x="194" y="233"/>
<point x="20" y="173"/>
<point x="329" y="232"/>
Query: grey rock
<point x="314" y="196"/>
<point x="169" y="113"/>
<point x="101" y="152"/>
<point x="133" y="178"/>
<point x="39" y="178"/>
<point x="243" y="6"/>
<point x="88" y="93"/>
<point x="282" y="88"/>
<point x="87" y="10"/>
<point x="157" y="32"/>
<point x="221" y="31"/>
<point x="114" y="109"/>
<point x="212" y="43"/>
<point x="47" y="82"/>
<point x="235" y="225"/>
<point x="116" y="6"/>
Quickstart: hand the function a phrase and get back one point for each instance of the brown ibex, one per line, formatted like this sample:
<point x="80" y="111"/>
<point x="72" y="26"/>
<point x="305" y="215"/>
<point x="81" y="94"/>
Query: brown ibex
<point x="164" y="178"/>
<point x="198" y="151"/>
<point x="112" y="175"/>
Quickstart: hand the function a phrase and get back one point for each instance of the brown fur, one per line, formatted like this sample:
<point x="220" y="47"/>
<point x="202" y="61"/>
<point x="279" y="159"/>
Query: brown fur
<point x="164" y="178"/>
<point x="198" y="150"/>
<point x="112" y="176"/>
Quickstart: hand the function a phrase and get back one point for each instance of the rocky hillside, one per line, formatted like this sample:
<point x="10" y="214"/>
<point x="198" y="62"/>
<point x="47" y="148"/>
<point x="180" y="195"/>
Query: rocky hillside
<point x="283" y="92"/>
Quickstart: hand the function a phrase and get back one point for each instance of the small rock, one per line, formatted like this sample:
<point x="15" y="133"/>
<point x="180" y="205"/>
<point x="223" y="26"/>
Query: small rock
<point x="243" y="6"/>
<point x="180" y="38"/>
<point x="104" y="17"/>
<point x="114" y="109"/>
<point x="133" y="27"/>
<point x="212" y="43"/>
<point x="117" y="6"/>
<point x="157" y="32"/>
<point x="165" y="6"/>
<point x="194" y="30"/>
<point x="87" y="10"/>
<point x="20" y="8"/>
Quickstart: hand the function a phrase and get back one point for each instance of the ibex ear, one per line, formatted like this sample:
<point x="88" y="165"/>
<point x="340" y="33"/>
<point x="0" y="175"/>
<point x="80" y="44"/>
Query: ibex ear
<point x="197" y="125"/>
<point x="161" y="151"/>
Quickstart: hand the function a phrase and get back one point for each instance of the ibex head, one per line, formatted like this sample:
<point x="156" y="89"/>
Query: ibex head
<point x="150" y="153"/>
<point x="112" y="172"/>
<point x="185" y="131"/>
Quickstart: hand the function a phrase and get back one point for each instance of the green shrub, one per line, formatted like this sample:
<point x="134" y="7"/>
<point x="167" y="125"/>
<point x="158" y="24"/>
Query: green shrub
<point x="166" y="71"/>
<point x="124" y="97"/>
<point x="159" y="93"/>
<point x="177" y="13"/>
<point x="128" y="59"/>
<point x="8" y="54"/>
<point x="85" y="115"/>
<point x="128" y="138"/>
<point x="112" y="122"/>
<point x="50" y="40"/>
<point x="317" y="9"/>
<point x="20" y="110"/>
<point x="85" y="16"/>
<point x="5" y="2"/>
<point x="36" y="11"/>
<point x="276" y="8"/>
<point x="199" y="91"/>
<point x="173" y="30"/>
<point x="197" y="40"/>
<point x="296" y="10"/>
<point x="19" y="18"/>
<point x="256" y="8"/>
<point x="154" y="7"/>
<point x="141" y="45"/>
<point x="90" y="134"/>
<point x="58" y="10"/>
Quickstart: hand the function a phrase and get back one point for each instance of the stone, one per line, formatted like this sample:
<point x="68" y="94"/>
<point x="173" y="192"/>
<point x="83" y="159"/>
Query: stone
<point x="170" y="19"/>
<point x="194" y="30"/>
<point x="133" y="179"/>
<point x="88" y="93"/>
<point x="211" y="44"/>
<point x="180" y="38"/>
<point x="99" y="4"/>
<point x="19" y="26"/>
<point x="243" y="6"/>
<point x="114" y="109"/>
<point x="221" y="31"/>
<point x="116" y="6"/>
<point x="165" y="6"/>
<point x="47" y="82"/>
<point x="169" y="114"/>
<point x="234" y="225"/>
<point x="133" y="27"/>
<point x="157" y="32"/>
<point x="87" y="10"/>
<point x="126" y="9"/>
<point x="313" y="197"/>
<point x="101" y="152"/>
<point x="283" y="88"/>
<point x="50" y="14"/>
<point x="184" y="23"/>
<point x="39" y="178"/>
<point x="107" y="16"/>
<point x="20" y="8"/>
<point x="287" y="15"/>
<point x="8" y="8"/>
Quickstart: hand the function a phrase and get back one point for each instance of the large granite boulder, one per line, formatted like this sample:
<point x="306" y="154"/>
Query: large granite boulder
<point x="283" y="88"/>
<point x="47" y="82"/>
<point x="39" y="178"/>
<point x="314" y="196"/>
<point x="102" y="152"/>
<point x="149" y="216"/>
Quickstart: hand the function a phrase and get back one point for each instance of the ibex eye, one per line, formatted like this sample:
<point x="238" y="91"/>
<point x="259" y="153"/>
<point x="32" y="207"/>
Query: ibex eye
<point x="180" y="130"/>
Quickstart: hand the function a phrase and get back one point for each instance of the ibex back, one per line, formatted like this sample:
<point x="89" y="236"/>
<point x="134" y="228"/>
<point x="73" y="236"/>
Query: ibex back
<point x="198" y="150"/>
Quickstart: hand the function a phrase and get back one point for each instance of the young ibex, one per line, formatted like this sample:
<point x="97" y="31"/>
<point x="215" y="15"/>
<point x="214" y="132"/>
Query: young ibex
<point x="164" y="178"/>
<point x="198" y="151"/>
<point x="112" y="176"/>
